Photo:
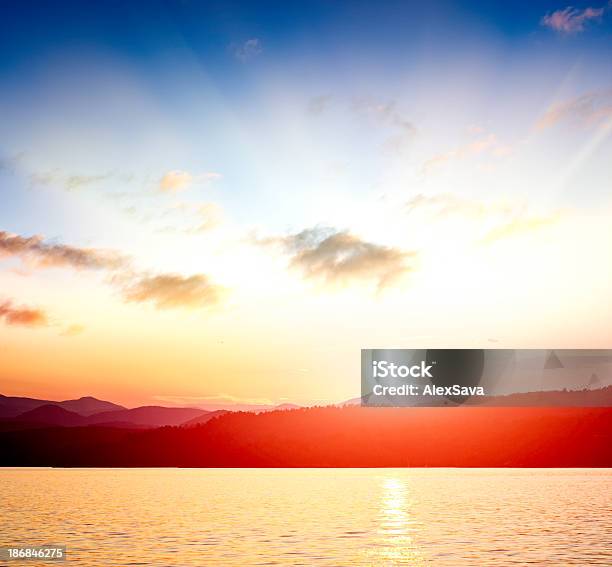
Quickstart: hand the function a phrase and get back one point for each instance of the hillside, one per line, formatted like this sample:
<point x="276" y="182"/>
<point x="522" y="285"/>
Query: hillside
<point x="336" y="437"/>
<point x="13" y="406"/>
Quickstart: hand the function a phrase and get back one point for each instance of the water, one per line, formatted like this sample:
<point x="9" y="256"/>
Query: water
<point x="240" y="517"/>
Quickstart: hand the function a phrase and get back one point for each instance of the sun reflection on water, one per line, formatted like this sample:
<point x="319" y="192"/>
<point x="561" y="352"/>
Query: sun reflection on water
<point x="396" y="525"/>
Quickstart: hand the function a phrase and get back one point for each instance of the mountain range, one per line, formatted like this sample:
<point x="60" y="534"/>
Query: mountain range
<point x="47" y="433"/>
<point x="30" y="413"/>
<point x="12" y="406"/>
<point x="333" y="436"/>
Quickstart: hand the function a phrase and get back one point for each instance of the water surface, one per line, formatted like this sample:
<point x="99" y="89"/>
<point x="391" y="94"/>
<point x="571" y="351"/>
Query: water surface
<point x="239" y="517"/>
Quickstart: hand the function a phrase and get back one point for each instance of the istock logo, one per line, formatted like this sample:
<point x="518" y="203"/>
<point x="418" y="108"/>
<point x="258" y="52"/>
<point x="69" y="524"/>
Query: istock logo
<point x="384" y="369"/>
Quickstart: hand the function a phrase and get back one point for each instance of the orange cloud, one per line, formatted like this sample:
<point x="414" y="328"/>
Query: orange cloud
<point x="37" y="252"/>
<point x="177" y="180"/>
<point x="23" y="316"/>
<point x="174" y="181"/>
<point x="169" y="291"/>
<point x="587" y="109"/>
<point x="165" y="290"/>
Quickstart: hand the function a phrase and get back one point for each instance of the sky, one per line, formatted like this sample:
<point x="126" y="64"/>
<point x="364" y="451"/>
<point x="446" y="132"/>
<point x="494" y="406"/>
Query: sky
<point x="223" y="202"/>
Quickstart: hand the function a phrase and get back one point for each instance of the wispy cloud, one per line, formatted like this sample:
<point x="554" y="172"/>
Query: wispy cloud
<point x="177" y="180"/>
<point x="385" y="112"/>
<point x="519" y="226"/>
<point x="168" y="291"/>
<point x="22" y="316"/>
<point x="571" y="20"/>
<point x="73" y="181"/>
<point x="247" y="50"/>
<point x="36" y="252"/>
<point x="334" y="256"/>
<point x="174" y="181"/>
<point x="484" y="144"/>
<point x="446" y="204"/>
<point x="587" y="109"/>
<point x="199" y="217"/>
<point x="388" y="115"/>
<point x="210" y="216"/>
<point x="72" y="330"/>
<point x="491" y="220"/>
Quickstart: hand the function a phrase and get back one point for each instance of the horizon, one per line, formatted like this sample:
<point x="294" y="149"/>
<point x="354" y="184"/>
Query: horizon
<point x="212" y="407"/>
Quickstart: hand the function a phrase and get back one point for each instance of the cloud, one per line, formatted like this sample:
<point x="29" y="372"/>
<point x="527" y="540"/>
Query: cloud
<point x="250" y="49"/>
<point x="210" y="216"/>
<point x="177" y="180"/>
<point x="518" y="226"/>
<point x="35" y="251"/>
<point x="486" y="144"/>
<point x="22" y="316"/>
<point x="165" y="290"/>
<point x="72" y="330"/>
<point x="571" y="20"/>
<point x="447" y="204"/>
<point x="341" y="257"/>
<point x="71" y="182"/>
<point x="174" y="181"/>
<point x="492" y="220"/>
<point x="587" y="109"/>
<point x="386" y="113"/>
<point x="192" y="218"/>
<point x="169" y="291"/>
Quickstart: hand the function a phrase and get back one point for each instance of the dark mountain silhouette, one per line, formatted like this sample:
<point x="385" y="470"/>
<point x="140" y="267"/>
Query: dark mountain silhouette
<point x="335" y="437"/>
<point x="50" y="414"/>
<point x="12" y="406"/>
<point x="152" y="416"/>
<point x="89" y="406"/>
<point x="54" y="414"/>
<point x="204" y="418"/>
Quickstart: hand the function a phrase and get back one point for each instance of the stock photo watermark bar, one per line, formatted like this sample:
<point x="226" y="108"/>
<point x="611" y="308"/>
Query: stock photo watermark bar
<point x="491" y="377"/>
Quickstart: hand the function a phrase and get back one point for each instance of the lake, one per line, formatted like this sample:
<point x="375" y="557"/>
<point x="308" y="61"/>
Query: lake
<point x="240" y="517"/>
